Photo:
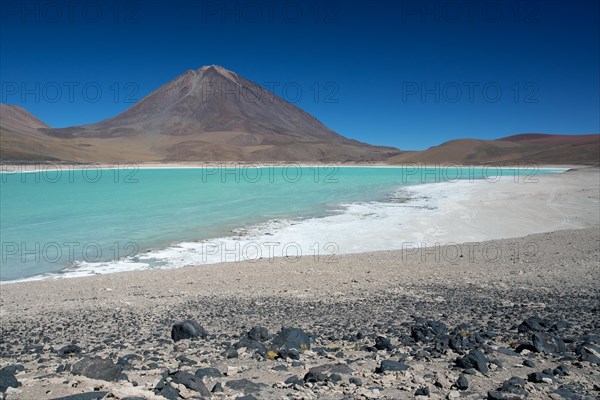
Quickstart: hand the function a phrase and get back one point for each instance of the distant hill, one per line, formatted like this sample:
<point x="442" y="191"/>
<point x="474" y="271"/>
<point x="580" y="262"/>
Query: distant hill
<point x="209" y="114"/>
<point x="523" y="148"/>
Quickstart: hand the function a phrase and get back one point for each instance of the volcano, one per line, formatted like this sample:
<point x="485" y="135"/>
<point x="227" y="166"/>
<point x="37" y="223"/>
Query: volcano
<point x="209" y="114"/>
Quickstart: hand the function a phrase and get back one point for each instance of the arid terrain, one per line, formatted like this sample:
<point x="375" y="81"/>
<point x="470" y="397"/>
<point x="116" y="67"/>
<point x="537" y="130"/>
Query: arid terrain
<point x="517" y="149"/>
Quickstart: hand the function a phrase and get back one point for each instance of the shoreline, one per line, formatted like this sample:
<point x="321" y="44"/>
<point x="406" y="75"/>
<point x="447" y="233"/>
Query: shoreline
<point x="436" y="214"/>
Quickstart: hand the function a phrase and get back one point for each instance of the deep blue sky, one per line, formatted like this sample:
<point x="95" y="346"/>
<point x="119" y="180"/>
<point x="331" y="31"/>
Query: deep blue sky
<point x="387" y="61"/>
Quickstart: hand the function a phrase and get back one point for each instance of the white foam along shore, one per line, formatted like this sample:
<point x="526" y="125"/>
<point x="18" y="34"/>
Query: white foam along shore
<point x="422" y="215"/>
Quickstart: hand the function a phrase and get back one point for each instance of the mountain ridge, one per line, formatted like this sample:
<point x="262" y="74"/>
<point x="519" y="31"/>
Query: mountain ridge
<point x="209" y="114"/>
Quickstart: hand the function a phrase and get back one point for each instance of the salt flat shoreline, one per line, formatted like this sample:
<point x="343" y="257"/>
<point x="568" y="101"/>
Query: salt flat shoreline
<point x="523" y="306"/>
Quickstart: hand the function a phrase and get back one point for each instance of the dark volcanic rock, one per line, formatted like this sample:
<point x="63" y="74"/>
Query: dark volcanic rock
<point x="547" y="343"/>
<point x="497" y="395"/>
<point x="529" y="363"/>
<point x="69" y="350"/>
<point x="292" y="354"/>
<point x="315" y="376"/>
<point x="125" y="361"/>
<point x="245" y="386"/>
<point x="391" y="365"/>
<point x="259" y="334"/>
<point x="187" y="330"/>
<point x="231" y="352"/>
<point x="98" y="368"/>
<point x="560" y="325"/>
<point x="252" y="344"/>
<point x="185" y="360"/>
<point x="207" y="372"/>
<point x="291" y="338"/>
<point x="462" y="383"/>
<point x="475" y="359"/>
<point x="383" y="343"/>
<point x="333" y="369"/>
<point x="294" y="380"/>
<point x="7" y="377"/>
<point x="83" y="396"/>
<point x="524" y="346"/>
<point x="515" y="385"/>
<point x="589" y="352"/>
<point x="327" y="372"/>
<point x="191" y="382"/>
<point x="537" y="377"/>
<point x="218" y="388"/>
<point x="425" y="330"/>
<point x="534" y="324"/>
<point x="167" y="391"/>
<point x="424" y="391"/>
<point x="568" y="392"/>
<point x="355" y="380"/>
<point x="561" y="370"/>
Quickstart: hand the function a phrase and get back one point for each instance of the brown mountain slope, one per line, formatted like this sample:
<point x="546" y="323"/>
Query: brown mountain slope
<point x="17" y="118"/>
<point x="210" y="114"/>
<point x="524" y="148"/>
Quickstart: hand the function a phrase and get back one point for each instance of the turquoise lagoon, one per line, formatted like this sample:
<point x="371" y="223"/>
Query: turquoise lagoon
<point x="60" y="219"/>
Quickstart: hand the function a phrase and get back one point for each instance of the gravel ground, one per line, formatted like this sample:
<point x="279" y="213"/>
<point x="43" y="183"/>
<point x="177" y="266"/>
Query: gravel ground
<point x="515" y="318"/>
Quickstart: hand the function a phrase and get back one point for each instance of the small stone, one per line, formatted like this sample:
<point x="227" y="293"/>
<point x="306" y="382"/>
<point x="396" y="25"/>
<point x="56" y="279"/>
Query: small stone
<point x="291" y="338"/>
<point x="259" y="334"/>
<point x="69" y="351"/>
<point x="537" y="377"/>
<point x="561" y="370"/>
<point x="218" y="388"/>
<point x="423" y="391"/>
<point x="244" y="385"/>
<point x="294" y="380"/>
<point x="98" y="368"/>
<point x="187" y="330"/>
<point x="231" y="353"/>
<point x="7" y="377"/>
<point x="208" y="372"/>
<point x="475" y="359"/>
<point x="547" y="343"/>
<point x="391" y="365"/>
<point x="529" y="363"/>
<point x="356" y="381"/>
<point x="462" y="383"/>
<point x="383" y="343"/>
<point x="533" y="324"/>
<point x="96" y="395"/>
<point x="191" y="382"/>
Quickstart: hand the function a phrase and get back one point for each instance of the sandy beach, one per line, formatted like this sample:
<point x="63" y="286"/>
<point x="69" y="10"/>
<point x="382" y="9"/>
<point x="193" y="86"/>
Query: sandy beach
<point x="502" y="304"/>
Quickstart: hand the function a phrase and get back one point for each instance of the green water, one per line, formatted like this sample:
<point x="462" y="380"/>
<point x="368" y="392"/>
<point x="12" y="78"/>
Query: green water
<point x="50" y="220"/>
